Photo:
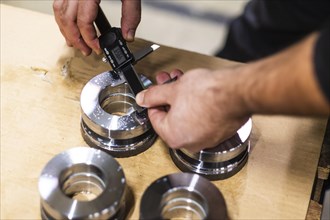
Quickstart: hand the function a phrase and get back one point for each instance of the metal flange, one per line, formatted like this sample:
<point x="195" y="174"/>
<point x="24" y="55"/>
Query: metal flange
<point x="83" y="183"/>
<point x="110" y="120"/>
<point x="220" y="162"/>
<point x="182" y="196"/>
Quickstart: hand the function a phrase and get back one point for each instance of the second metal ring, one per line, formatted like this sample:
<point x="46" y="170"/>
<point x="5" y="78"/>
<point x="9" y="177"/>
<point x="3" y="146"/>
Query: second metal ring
<point x="220" y="162"/>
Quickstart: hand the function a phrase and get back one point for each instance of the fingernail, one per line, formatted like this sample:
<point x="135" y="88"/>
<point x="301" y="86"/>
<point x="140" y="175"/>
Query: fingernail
<point x="68" y="43"/>
<point x="130" y="35"/>
<point x="84" y="53"/>
<point x="140" y="98"/>
<point x="98" y="52"/>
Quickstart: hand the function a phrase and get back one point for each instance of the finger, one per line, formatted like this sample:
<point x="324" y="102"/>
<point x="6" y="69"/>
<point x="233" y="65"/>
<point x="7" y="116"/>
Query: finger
<point x="131" y="17"/>
<point x="162" y="77"/>
<point x="57" y="7"/>
<point x="67" y="16"/>
<point x="157" y="117"/>
<point x="176" y="73"/>
<point x="67" y="42"/>
<point x="87" y="12"/>
<point x="155" y="96"/>
<point x="160" y="123"/>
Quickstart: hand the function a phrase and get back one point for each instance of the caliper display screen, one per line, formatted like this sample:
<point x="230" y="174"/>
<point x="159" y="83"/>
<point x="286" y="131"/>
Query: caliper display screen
<point x="119" y="55"/>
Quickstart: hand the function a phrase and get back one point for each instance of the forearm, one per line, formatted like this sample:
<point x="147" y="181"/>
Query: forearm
<point x="206" y="107"/>
<point x="284" y="83"/>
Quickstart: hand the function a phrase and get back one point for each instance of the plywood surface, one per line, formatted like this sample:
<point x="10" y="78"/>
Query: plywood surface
<point x="40" y="116"/>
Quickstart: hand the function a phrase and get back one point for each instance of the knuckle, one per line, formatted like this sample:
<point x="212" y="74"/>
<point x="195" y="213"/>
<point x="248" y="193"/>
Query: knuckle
<point x="148" y="93"/>
<point x="64" y="21"/>
<point x="57" y="5"/>
<point x="77" y="40"/>
<point x="85" y="24"/>
<point x="174" y="144"/>
<point x="68" y="23"/>
<point x="74" y="40"/>
<point x="82" y="21"/>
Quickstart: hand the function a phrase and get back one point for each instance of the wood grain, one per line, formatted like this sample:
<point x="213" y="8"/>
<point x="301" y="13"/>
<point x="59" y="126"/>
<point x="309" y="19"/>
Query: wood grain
<point x="40" y="116"/>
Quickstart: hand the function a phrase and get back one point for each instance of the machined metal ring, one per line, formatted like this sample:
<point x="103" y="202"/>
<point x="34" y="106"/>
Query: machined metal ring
<point x="220" y="162"/>
<point x="182" y="196"/>
<point x="109" y="118"/>
<point x="83" y="183"/>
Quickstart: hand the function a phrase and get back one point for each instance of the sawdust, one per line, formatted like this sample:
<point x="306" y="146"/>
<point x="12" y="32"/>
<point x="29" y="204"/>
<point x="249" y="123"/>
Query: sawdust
<point x="42" y="73"/>
<point x="40" y="70"/>
<point x="65" y="70"/>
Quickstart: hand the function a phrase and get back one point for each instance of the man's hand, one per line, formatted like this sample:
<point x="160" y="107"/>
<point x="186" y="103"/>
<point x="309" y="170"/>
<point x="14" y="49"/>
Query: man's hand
<point x="199" y="112"/>
<point x="75" y="19"/>
<point x="206" y="107"/>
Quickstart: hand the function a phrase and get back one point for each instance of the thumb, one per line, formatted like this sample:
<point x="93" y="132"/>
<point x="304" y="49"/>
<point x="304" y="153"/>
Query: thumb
<point x="155" y="96"/>
<point x="131" y="17"/>
<point x="158" y="120"/>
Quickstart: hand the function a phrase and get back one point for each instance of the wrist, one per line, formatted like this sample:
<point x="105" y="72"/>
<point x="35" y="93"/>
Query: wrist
<point x="283" y="83"/>
<point x="230" y="84"/>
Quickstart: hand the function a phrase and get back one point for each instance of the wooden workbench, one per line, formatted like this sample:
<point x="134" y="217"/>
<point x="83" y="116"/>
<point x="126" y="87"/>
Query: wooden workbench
<point x="41" y="80"/>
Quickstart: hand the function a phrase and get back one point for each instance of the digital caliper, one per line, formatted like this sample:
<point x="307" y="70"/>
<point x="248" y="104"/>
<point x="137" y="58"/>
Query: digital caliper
<point x="118" y="54"/>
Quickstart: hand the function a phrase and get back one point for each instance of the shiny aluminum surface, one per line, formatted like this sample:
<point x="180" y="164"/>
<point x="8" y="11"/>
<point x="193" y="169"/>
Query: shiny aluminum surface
<point x="109" y="117"/>
<point x="182" y="196"/>
<point x="220" y="162"/>
<point x="83" y="183"/>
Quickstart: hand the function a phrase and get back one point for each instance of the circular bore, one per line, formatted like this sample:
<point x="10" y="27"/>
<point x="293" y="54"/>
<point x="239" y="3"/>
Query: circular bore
<point x="83" y="183"/>
<point x="220" y="162"/>
<point x="182" y="196"/>
<point x="109" y="120"/>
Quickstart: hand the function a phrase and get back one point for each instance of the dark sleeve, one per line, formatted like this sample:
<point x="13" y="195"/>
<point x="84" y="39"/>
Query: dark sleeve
<point x="266" y="27"/>
<point x="322" y="60"/>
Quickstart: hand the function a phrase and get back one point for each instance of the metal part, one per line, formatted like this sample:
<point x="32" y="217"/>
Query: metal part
<point x="83" y="183"/>
<point x="110" y="120"/>
<point x="139" y="55"/>
<point x="182" y="196"/>
<point x="104" y="59"/>
<point x="220" y="162"/>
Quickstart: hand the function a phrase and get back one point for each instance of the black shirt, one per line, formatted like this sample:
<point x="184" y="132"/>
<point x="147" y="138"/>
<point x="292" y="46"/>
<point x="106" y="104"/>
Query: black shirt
<point x="322" y="59"/>
<point x="267" y="26"/>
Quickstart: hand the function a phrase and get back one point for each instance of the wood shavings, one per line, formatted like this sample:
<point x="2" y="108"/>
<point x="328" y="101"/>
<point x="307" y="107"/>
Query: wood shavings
<point x="39" y="70"/>
<point x="41" y="73"/>
<point x="65" y="70"/>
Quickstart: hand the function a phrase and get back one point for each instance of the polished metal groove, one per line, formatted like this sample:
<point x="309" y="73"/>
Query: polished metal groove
<point x="182" y="196"/>
<point x="220" y="162"/>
